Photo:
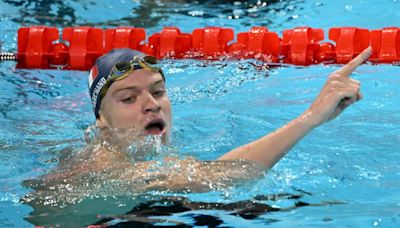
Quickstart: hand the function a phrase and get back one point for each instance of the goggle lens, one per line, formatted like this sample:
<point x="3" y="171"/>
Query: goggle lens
<point x="123" y="67"/>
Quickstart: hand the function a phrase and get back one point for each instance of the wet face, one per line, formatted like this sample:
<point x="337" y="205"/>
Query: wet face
<point x="138" y="102"/>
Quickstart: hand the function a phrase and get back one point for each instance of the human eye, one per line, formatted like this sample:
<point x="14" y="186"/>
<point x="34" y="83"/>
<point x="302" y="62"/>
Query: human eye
<point x="128" y="100"/>
<point x="159" y="92"/>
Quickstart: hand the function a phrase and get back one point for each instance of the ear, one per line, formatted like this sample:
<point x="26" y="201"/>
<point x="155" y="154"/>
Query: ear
<point x="101" y="121"/>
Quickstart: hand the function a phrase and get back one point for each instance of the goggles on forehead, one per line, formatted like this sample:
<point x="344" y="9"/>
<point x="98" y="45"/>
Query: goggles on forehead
<point x="123" y="69"/>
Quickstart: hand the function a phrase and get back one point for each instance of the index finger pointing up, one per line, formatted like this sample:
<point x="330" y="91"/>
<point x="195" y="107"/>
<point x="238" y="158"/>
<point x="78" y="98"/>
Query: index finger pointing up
<point x="347" y="69"/>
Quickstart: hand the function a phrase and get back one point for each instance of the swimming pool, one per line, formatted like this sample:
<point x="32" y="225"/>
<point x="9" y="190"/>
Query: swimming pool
<point x="347" y="170"/>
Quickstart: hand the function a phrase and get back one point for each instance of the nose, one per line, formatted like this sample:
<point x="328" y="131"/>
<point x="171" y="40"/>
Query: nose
<point x="151" y="104"/>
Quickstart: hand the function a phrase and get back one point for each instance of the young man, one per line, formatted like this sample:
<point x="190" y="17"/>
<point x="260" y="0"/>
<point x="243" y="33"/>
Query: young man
<point x="128" y="92"/>
<point x="129" y="100"/>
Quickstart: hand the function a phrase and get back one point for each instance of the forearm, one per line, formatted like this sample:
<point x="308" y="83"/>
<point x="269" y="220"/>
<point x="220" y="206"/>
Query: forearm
<point x="272" y="147"/>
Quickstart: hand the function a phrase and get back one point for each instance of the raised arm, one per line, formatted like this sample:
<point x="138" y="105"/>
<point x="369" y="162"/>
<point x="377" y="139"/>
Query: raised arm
<point x="339" y="92"/>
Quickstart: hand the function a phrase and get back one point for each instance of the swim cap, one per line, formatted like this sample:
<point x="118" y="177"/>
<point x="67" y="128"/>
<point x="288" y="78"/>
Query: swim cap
<point x="101" y="69"/>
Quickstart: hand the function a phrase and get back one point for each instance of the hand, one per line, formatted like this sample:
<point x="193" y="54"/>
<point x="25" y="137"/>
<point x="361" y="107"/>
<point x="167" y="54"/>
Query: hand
<point x="338" y="93"/>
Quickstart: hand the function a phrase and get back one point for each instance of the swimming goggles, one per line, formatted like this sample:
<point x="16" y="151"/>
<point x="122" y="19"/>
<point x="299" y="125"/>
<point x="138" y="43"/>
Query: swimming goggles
<point x="123" y="69"/>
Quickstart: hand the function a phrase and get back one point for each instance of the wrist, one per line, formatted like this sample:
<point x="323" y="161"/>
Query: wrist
<point x="308" y="120"/>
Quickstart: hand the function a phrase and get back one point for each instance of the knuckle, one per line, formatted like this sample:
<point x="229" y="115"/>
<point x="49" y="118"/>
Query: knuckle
<point x="332" y="85"/>
<point x="332" y="90"/>
<point x="355" y="81"/>
<point x="337" y="83"/>
<point x="334" y="76"/>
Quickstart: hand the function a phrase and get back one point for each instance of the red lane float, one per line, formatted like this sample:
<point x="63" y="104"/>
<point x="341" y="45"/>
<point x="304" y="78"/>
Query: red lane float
<point x="34" y="46"/>
<point x="86" y="45"/>
<point x="300" y="45"/>
<point x="258" y="43"/>
<point x="78" y="47"/>
<point x="170" y="42"/>
<point x="211" y="41"/>
<point x="124" y="37"/>
<point x="350" y="41"/>
<point x="385" y="45"/>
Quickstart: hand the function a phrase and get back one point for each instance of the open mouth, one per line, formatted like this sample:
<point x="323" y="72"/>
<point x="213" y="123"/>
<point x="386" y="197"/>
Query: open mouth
<point x="155" y="127"/>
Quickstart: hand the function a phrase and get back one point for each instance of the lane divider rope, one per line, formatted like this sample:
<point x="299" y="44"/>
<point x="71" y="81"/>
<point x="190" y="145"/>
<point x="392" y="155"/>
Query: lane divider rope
<point x="76" y="48"/>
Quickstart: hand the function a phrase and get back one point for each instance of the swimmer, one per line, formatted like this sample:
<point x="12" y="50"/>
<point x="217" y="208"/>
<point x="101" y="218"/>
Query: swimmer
<point x="128" y="91"/>
<point x="128" y="94"/>
<point x="130" y="102"/>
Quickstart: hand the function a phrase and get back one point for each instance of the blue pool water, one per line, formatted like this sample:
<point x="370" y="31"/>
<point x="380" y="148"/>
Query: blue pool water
<point x="345" y="173"/>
